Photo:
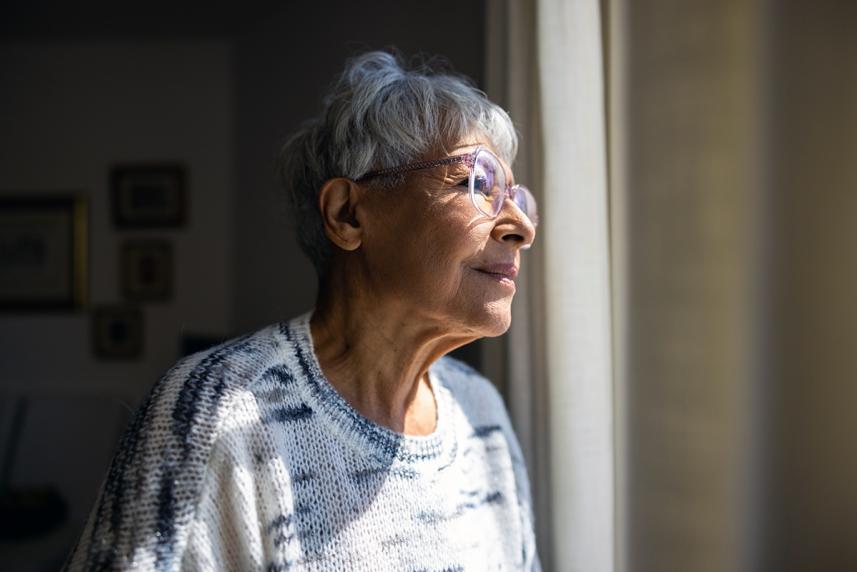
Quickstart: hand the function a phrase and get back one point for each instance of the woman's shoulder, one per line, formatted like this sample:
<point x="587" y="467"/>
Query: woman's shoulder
<point x="458" y="374"/>
<point x="205" y="382"/>
<point x="471" y="390"/>
<point x="198" y="392"/>
<point x="155" y="479"/>
<point x="481" y="404"/>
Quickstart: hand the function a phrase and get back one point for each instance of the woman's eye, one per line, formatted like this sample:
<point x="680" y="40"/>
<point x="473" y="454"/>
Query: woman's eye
<point x="463" y="183"/>
<point x="480" y="185"/>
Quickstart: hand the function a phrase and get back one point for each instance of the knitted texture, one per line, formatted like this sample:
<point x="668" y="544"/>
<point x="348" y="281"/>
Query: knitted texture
<point x="244" y="457"/>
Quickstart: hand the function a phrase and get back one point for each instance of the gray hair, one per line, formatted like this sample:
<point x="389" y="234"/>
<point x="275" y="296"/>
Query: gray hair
<point x="381" y="114"/>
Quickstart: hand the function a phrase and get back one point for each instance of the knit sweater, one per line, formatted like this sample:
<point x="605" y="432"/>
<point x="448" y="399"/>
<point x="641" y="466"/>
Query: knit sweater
<point x="244" y="457"/>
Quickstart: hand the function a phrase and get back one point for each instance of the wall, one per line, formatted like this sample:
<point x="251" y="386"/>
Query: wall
<point x="220" y="93"/>
<point x="68" y="111"/>
<point x="71" y="111"/>
<point x="220" y="96"/>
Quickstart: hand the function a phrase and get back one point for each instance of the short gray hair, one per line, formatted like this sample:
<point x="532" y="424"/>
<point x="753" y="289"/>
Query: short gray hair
<point x="380" y="113"/>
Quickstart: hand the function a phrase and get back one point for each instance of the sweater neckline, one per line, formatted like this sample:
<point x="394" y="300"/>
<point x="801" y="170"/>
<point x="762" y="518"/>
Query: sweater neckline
<point x="420" y="452"/>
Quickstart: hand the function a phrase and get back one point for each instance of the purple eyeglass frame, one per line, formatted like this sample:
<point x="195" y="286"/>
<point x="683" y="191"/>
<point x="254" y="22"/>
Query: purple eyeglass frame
<point x="468" y="159"/>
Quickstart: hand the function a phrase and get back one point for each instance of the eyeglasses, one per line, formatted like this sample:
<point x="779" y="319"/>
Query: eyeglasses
<point x="487" y="182"/>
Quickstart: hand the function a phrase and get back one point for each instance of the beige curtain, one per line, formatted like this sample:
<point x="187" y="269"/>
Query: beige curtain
<point x="631" y="354"/>
<point x="577" y="284"/>
<point x="518" y="359"/>
<point x="681" y="362"/>
<point x="687" y="173"/>
<point x="546" y="66"/>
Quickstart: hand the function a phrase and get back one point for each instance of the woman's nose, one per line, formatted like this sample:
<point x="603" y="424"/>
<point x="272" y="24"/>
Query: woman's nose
<point x="513" y="225"/>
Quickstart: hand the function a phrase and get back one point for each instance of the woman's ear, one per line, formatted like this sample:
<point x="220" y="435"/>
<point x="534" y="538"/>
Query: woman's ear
<point x="337" y="202"/>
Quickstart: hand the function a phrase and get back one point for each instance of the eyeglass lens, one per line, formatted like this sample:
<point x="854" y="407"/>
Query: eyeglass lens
<point x="489" y="184"/>
<point x="488" y="188"/>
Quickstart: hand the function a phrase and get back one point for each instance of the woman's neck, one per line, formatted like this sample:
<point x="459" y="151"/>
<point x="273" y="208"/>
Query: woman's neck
<point x="377" y="353"/>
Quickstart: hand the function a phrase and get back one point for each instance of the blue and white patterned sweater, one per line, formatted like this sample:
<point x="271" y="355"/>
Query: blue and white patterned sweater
<point x="244" y="457"/>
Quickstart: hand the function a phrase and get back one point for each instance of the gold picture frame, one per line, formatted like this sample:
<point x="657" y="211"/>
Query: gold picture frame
<point x="43" y="252"/>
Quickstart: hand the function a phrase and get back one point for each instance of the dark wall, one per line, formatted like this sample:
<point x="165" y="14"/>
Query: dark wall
<point x="218" y="89"/>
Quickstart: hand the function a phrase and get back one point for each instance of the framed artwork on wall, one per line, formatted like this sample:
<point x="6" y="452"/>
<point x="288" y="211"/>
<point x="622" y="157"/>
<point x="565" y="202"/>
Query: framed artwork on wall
<point x="146" y="270"/>
<point x="117" y="332"/>
<point x="43" y="252"/>
<point x="149" y="196"/>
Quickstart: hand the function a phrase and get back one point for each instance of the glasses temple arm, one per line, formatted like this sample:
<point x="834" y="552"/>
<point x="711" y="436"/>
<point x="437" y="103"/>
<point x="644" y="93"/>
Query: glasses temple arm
<point x="468" y="159"/>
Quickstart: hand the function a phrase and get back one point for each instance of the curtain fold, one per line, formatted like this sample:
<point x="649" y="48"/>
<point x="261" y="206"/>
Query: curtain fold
<point x="577" y="286"/>
<point x="545" y="65"/>
<point x="512" y="81"/>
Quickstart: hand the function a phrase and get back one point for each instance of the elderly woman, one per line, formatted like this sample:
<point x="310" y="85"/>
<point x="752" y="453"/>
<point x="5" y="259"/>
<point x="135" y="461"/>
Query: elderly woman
<point x="344" y="439"/>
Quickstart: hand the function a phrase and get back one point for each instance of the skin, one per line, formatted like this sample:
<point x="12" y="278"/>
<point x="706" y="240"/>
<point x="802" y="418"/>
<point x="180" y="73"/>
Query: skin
<point x="406" y="286"/>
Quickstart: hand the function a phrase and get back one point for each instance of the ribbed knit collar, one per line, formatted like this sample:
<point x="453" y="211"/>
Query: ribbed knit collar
<point x="427" y="453"/>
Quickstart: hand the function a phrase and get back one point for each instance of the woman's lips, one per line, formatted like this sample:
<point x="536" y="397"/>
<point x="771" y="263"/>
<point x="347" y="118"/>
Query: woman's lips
<point x="502" y="272"/>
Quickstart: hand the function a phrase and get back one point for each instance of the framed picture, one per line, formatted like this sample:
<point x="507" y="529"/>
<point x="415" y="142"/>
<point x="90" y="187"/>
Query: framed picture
<point x="146" y="270"/>
<point x="148" y="196"/>
<point x="43" y="252"/>
<point x="117" y="332"/>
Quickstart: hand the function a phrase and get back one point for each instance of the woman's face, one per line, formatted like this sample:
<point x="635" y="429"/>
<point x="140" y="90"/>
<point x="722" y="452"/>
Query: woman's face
<point x="434" y="253"/>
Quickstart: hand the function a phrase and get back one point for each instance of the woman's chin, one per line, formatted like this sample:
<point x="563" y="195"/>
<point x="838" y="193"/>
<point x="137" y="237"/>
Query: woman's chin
<point x="496" y="320"/>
